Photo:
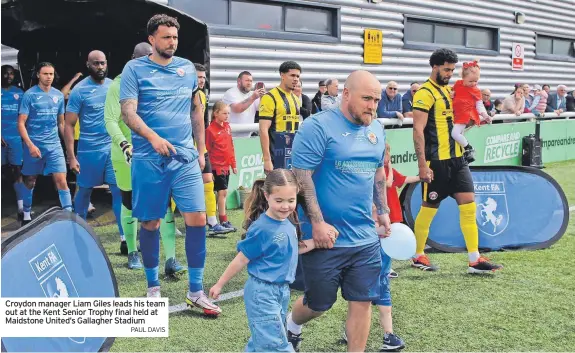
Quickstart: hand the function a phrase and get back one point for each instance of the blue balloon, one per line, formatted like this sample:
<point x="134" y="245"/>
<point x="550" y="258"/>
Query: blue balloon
<point x="400" y="245"/>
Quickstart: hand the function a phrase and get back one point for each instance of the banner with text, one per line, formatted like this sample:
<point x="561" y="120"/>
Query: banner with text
<point x="558" y="139"/>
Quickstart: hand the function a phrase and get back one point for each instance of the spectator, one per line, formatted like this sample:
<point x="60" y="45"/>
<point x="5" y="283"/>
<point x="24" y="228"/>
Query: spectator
<point x="514" y="103"/>
<point x="243" y="103"/>
<point x="304" y="101"/>
<point x="331" y="98"/>
<point x="407" y="100"/>
<point x="498" y="106"/>
<point x="487" y="102"/>
<point x="546" y="88"/>
<point x="390" y="104"/>
<point x="316" y="101"/>
<point x="539" y="103"/>
<point x="528" y="99"/>
<point x="557" y="102"/>
<point x="571" y="102"/>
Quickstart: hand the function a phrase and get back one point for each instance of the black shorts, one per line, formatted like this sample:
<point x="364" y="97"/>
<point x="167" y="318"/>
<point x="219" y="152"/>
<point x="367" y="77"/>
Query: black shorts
<point x="450" y="176"/>
<point x="221" y="181"/>
<point x="208" y="166"/>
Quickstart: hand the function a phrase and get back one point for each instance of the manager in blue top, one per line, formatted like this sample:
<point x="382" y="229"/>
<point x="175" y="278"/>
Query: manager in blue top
<point x="41" y="119"/>
<point x="159" y="104"/>
<point x="337" y="153"/>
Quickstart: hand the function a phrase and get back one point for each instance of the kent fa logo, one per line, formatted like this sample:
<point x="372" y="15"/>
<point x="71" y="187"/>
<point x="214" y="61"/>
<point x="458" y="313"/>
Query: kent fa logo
<point x="492" y="211"/>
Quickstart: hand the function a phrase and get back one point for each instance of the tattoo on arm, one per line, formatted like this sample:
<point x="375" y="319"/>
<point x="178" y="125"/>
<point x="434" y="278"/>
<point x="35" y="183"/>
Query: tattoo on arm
<point x="380" y="196"/>
<point x="311" y="206"/>
<point x="419" y="144"/>
<point x="132" y="119"/>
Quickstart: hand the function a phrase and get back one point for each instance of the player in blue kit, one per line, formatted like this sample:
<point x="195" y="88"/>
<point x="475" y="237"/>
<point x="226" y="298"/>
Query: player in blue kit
<point x="160" y="105"/>
<point x="41" y="119"/>
<point x="93" y="163"/>
<point x="337" y="152"/>
<point x="11" y="140"/>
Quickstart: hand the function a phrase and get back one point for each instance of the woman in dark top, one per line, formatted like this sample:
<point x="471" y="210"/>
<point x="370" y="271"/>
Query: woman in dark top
<point x="305" y="102"/>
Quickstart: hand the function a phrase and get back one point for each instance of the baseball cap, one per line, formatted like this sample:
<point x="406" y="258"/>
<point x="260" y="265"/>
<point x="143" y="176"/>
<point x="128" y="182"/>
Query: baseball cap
<point x="321" y="83"/>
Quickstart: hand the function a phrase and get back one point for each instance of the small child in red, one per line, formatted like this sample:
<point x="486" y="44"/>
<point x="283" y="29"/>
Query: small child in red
<point x="394" y="180"/>
<point x="220" y="146"/>
<point x="467" y="106"/>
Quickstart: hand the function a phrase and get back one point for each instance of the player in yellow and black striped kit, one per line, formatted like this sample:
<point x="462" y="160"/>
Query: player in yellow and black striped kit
<point x="279" y="114"/>
<point x="442" y="168"/>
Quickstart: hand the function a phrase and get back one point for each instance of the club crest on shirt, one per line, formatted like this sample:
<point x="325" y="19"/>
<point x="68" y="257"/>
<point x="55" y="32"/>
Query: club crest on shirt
<point x="181" y="72"/>
<point x="55" y="99"/>
<point x="372" y="137"/>
<point x="16" y="96"/>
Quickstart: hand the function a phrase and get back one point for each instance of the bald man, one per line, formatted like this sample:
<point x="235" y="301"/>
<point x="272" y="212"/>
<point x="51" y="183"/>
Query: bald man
<point x="334" y="152"/>
<point x="92" y="164"/>
<point x="390" y="106"/>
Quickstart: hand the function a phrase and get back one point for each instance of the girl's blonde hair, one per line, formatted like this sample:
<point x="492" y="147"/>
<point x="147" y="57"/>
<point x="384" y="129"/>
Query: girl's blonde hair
<point x="469" y="67"/>
<point x="219" y="105"/>
<point x="256" y="204"/>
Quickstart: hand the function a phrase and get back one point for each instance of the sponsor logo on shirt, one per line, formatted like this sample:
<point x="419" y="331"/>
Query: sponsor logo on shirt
<point x="279" y="237"/>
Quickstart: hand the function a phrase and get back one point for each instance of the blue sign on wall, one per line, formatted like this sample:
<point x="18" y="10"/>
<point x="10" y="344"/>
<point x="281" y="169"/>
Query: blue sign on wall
<point x="517" y="207"/>
<point x="57" y="255"/>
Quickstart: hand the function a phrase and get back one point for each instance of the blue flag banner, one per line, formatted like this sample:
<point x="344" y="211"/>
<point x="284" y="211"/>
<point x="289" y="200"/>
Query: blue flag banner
<point x="56" y="255"/>
<point x="517" y="208"/>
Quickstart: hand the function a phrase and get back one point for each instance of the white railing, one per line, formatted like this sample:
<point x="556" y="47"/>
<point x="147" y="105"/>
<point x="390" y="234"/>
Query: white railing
<point x="409" y="121"/>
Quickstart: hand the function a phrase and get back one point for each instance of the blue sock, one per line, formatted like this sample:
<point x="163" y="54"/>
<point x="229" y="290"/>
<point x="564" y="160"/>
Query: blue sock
<point x="81" y="200"/>
<point x="117" y="205"/>
<point x="27" y="198"/>
<point x="150" y="246"/>
<point x="196" y="256"/>
<point x="18" y="189"/>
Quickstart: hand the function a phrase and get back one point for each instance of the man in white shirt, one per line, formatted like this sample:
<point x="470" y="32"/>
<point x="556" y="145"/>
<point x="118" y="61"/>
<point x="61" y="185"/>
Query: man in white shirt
<point x="331" y="99"/>
<point x="243" y="102"/>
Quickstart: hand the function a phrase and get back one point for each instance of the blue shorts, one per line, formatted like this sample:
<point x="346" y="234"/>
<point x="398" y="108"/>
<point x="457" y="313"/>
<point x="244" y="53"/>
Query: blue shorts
<point x="95" y="169"/>
<point x="52" y="161"/>
<point x="355" y="269"/>
<point x="153" y="181"/>
<point x="12" y="154"/>
<point x="266" y="308"/>
<point x="384" y="292"/>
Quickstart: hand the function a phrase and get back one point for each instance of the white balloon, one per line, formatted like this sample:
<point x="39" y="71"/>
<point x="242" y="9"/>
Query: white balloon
<point x="400" y="245"/>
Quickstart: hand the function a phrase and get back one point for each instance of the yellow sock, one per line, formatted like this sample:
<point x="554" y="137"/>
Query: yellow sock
<point x="468" y="224"/>
<point x="422" y="224"/>
<point x="210" y="199"/>
<point x="172" y="205"/>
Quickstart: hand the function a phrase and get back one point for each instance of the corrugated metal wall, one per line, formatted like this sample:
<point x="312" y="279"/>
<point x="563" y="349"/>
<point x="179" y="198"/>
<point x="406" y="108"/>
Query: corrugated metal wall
<point x="9" y="56"/>
<point x="230" y="55"/>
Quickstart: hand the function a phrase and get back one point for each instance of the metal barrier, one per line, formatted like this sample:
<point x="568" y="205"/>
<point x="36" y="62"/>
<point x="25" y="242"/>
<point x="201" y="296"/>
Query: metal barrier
<point x="242" y="128"/>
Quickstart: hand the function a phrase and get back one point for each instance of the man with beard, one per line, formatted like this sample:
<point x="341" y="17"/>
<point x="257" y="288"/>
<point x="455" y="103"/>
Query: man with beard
<point x="160" y="104"/>
<point x="442" y="168"/>
<point x="243" y="102"/>
<point x="11" y="140"/>
<point x="41" y="119"/>
<point x="279" y="119"/>
<point x="121" y="160"/>
<point x="336" y="152"/>
<point x="93" y="163"/>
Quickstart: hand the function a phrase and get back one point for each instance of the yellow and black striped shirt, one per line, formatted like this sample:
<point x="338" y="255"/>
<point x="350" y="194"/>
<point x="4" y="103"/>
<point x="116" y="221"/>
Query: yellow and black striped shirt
<point x="436" y="101"/>
<point x="282" y="109"/>
<point x="204" y="101"/>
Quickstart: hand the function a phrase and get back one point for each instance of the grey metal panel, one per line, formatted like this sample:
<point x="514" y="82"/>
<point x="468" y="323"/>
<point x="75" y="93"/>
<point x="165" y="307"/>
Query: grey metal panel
<point x="230" y="54"/>
<point x="9" y="56"/>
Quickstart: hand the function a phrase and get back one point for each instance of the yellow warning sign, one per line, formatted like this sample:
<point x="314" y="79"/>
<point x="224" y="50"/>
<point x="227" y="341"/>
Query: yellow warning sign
<point x="372" y="44"/>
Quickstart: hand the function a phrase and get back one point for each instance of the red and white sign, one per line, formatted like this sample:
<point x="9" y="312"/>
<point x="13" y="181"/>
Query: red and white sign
<point x="518" y="57"/>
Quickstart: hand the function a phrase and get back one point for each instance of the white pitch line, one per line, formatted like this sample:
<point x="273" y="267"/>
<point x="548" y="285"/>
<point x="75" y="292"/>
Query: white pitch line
<point x="239" y="293"/>
<point x="223" y="297"/>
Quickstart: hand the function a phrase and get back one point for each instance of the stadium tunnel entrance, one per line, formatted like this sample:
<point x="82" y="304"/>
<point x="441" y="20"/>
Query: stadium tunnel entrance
<point x="63" y="32"/>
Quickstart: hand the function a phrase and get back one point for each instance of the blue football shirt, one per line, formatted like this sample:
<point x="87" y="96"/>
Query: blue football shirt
<point x="43" y="109"/>
<point x="11" y="99"/>
<point x="164" y="95"/>
<point x="87" y="99"/>
<point x="344" y="158"/>
<point x="272" y="248"/>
